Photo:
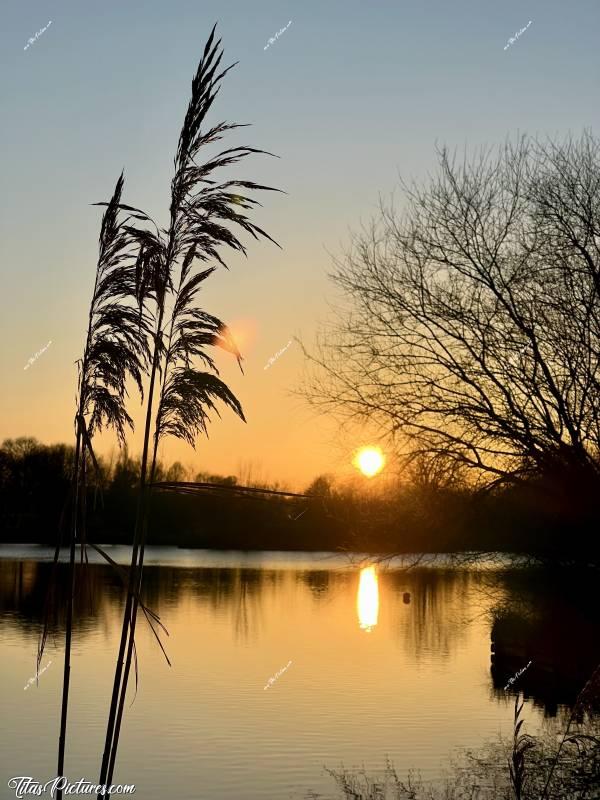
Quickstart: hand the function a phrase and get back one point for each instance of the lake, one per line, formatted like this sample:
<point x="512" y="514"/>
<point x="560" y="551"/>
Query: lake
<point x="284" y="664"/>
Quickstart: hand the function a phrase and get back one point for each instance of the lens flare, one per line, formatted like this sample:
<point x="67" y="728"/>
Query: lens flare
<point x="244" y="332"/>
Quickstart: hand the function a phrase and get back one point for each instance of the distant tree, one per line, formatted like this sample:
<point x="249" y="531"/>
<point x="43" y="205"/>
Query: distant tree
<point x="176" y="472"/>
<point x="34" y="477"/>
<point x="472" y="331"/>
<point x="321" y="486"/>
<point x="206" y="477"/>
<point x="126" y="471"/>
<point x="20" y="447"/>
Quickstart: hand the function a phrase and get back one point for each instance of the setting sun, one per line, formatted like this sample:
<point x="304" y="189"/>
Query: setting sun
<point x="369" y="460"/>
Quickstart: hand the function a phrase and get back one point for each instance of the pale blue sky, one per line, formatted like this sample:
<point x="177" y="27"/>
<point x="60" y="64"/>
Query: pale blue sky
<point x="350" y="95"/>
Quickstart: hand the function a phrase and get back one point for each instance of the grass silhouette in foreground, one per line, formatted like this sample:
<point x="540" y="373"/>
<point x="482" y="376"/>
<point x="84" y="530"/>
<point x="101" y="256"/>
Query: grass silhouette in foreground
<point x="115" y="349"/>
<point x="200" y="212"/>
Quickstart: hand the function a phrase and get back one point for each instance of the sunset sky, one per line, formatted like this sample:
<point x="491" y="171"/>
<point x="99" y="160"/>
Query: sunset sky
<point x="350" y="95"/>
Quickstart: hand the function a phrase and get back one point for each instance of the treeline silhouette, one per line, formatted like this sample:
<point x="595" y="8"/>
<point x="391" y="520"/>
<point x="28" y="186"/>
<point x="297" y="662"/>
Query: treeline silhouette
<point x="538" y="518"/>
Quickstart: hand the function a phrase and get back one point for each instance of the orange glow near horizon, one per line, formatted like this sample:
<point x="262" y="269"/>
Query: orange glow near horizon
<point x="369" y="460"/>
<point x="367" y="599"/>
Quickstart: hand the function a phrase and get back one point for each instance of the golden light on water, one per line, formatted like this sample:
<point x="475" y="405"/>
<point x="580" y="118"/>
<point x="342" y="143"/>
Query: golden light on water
<point x="369" y="460"/>
<point x="367" y="600"/>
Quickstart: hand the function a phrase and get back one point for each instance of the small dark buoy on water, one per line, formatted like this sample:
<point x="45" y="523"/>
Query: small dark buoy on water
<point x="406" y="597"/>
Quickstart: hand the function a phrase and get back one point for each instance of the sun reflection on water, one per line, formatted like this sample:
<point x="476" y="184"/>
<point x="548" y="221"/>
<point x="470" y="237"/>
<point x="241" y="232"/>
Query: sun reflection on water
<point x="367" y="600"/>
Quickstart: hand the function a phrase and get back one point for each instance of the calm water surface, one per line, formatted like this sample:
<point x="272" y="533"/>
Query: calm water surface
<point x="383" y="662"/>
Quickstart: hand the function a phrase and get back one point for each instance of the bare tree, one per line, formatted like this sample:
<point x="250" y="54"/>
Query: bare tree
<point x="472" y="328"/>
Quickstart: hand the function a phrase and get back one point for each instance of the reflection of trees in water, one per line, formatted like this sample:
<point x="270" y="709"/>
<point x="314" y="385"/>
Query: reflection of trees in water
<point x="317" y="582"/>
<point x="24" y="594"/>
<point x="248" y="592"/>
<point x="551" y="620"/>
<point x="436" y="618"/>
<point x="240" y="590"/>
<point x="323" y="583"/>
<point x="100" y="594"/>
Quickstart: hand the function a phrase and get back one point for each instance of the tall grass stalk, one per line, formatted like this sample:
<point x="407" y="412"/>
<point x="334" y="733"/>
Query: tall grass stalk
<point x="181" y="411"/>
<point x="115" y="349"/>
<point x="200" y="210"/>
<point x="521" y="744"/>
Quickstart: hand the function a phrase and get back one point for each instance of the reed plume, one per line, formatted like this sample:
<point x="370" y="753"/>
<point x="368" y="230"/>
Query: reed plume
<point x="202" y="213"/>
<point x="115" y="350"/>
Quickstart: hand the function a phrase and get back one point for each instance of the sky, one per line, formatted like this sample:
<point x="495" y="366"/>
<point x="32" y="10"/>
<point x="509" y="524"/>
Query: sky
<point x="350" y="96"/>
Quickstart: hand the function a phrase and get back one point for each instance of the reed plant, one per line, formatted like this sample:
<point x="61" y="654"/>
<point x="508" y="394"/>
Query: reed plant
<point x="115" y="351"/>
<point x="522" y="742"/>
<point x="204" y="216"/>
